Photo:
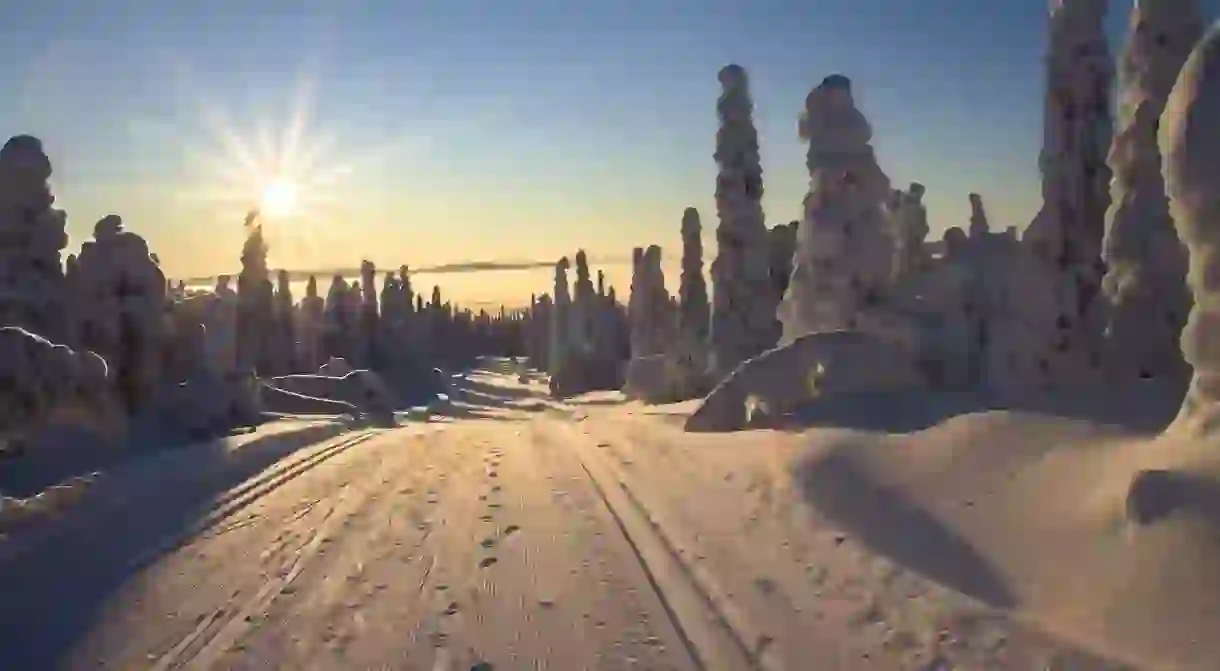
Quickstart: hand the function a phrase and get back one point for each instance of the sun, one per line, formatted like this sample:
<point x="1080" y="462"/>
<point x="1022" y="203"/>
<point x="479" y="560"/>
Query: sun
<point x="278" y="199"/>
<point x="283" y="165"/>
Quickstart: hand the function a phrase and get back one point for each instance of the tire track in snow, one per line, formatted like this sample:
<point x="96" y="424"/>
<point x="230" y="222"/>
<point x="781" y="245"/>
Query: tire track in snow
<point x="712" y="635"/>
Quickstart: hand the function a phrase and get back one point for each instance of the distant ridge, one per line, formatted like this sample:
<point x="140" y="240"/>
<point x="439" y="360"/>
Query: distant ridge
<point x="444" y="268"/>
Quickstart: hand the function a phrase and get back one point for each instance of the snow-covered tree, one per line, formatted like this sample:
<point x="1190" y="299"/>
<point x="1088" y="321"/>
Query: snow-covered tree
<point x="560" y="343"/>
<point x="743" y="303"/>
<point x="1067" y="232"/>
<point x="652" y="318"/>
<point x="34" y="290"/>
<point x="695" y="316"/>
<point x="1145" y="282"/>
<point x="255" y="297"/>
<point x="584" y="307"/>
<point x="979" y="226"/>
<point x="844" y="253"/>
<point x="1189" y="140"/>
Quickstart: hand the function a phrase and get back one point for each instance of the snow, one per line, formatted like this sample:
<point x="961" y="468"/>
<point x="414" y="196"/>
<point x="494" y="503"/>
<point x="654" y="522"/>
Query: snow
<point x="1146" y="262"/>
<point x="743" y="305"/>
<point x="510" y="530"/>
<point x="1189" y="147"/>
<point x="874" y="507"/>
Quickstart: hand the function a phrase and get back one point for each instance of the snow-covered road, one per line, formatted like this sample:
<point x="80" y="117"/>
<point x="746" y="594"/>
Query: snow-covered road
<point x="511" y="532"/>
<point x="482" y="539"/>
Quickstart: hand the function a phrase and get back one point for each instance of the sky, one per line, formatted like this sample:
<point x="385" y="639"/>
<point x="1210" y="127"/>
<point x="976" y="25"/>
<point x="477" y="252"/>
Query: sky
<point x="437" y="132"/>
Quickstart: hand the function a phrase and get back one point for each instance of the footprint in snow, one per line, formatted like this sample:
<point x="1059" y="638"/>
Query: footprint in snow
<point x="765" y="585"/>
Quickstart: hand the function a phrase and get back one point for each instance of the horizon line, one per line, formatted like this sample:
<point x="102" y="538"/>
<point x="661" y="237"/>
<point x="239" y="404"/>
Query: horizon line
<point x="440" y="269"/>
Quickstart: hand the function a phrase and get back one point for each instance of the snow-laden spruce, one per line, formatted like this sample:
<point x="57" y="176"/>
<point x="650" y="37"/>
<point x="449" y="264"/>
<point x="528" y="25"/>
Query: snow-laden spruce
<point x="979" y="226"/>
<point x="33" y="291"/>
<point x="743" y="304"/>
<point x="584" y="308"/>
<point x="340" y="329"/>
<point x="844" y="252"/>
<point x="910" y="227"/>
<point x="651" y="316"/>
<point x="1145" y="282"/>
<point x="310" y="326"/>
<point x="1067" y="232"/>
<point x="1077" y="130"/>
<point x="121" y="308"/>
<point x="1189" y="140"/>
<point x="560" y="331"/>
<point x="695" y="317"/>
<point x="255" y="300"/>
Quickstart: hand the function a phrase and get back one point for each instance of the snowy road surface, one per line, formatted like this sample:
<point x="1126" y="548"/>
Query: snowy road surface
<point x="498" y="537"/>
<point x="446" y="545"/>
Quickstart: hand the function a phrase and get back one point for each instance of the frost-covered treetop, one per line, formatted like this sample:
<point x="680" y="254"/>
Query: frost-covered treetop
<point x="736" y="139"/>
<point x="108" y="226"/>
<point x="690" y="222"/>
<point x="24" y="171"/>
<point x="733" y="78"/>
<point x="830" y="122"/>
<point x="25" y="153"/>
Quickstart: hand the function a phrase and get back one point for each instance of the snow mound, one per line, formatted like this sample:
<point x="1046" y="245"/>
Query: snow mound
<point x="816" y="364"/>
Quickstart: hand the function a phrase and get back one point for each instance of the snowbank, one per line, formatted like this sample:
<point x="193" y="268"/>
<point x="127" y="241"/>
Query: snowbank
<point x="25" y="521"/>
<point x="957" y="546"/>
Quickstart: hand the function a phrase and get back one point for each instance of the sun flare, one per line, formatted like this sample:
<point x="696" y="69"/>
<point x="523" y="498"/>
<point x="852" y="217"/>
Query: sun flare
<point x="284" y="166"/>
<point x="279" y="199"/>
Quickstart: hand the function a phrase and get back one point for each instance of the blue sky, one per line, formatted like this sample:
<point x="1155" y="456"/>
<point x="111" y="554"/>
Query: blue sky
<point x="459" y="129"/>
